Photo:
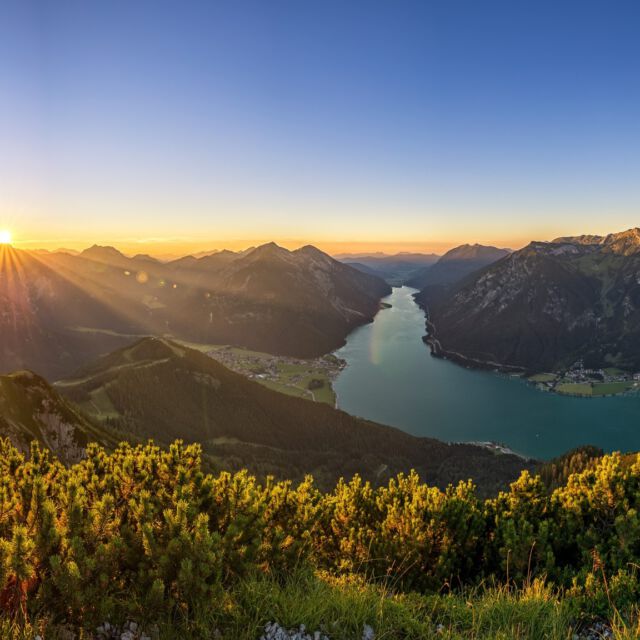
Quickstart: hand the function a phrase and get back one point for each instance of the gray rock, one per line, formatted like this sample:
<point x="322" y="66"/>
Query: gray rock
<point x="368" y="633"/>
<point x="273" y="631"/>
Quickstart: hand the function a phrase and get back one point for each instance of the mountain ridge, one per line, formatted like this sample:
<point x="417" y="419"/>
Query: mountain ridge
<point x="545" y="307"/>
<point x="62" y="310"/>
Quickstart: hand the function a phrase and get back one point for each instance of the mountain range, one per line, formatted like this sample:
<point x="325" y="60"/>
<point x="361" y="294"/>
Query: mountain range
<point x="419" y="270"/>
<point x="545" y="306"/>
<point x="60" y="310"/>
<point x="395" y="269"/>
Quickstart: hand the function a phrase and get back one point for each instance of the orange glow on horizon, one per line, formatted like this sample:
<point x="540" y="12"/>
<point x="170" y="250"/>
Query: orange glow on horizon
<point x="174" y="248"/>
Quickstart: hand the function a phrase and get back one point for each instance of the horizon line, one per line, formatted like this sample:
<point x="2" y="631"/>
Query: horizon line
<point x="173" y="247"/>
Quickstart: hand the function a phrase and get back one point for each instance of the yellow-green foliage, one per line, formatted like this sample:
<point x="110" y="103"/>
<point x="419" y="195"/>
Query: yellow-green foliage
<point x="143" y="531"/>
<point x="412" y="533"/>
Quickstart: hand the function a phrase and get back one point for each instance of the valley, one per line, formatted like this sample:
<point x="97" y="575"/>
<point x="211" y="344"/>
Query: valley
<point x="311" y="379"/>
<point x="320" y="320"/>
<point x="383" y="373"/>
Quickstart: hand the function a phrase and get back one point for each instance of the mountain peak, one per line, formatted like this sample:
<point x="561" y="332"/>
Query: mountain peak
<point x="145" y="257"/>
<point x="315" y="256"/>
<point x="474" y="252"/>
<point x="268" y="249"/>
<point x="310" y="250"/>
<point x="98" y="252"/>
<point x="584" y="239"/>
<point x="269" y="246"/>
<point x="27" y="378"/>
<point x="624" y="243"/>
<point x="151" y="348"/>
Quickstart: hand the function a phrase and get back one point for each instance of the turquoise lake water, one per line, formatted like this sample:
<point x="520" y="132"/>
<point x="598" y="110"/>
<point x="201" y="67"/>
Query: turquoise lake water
<point x="392" y="378"/>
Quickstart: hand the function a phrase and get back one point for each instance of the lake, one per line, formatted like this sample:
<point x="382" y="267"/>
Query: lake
<point x="392" y="378"/>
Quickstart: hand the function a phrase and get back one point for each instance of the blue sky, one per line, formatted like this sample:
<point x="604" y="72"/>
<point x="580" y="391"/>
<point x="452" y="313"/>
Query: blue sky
<point x="395" y="124"/>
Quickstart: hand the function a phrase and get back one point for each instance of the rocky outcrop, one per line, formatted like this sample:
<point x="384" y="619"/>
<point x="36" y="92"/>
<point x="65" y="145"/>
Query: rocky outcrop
<point x="31" y="410"/>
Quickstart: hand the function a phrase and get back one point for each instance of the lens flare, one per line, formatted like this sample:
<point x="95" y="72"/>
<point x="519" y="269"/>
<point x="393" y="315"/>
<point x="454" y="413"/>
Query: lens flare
<point x="5" y="237"/>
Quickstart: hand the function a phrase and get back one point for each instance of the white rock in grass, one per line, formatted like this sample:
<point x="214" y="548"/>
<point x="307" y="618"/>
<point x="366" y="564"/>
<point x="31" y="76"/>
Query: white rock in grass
<point x="368" y="633"/>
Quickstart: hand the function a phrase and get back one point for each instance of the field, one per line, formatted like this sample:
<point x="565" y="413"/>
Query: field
<point x="611" y="388"/>
<point x="588" y="389"/>
<point x="542" y="377"/>
<point x="614" y="371"/>
<point x="575" y="389"/>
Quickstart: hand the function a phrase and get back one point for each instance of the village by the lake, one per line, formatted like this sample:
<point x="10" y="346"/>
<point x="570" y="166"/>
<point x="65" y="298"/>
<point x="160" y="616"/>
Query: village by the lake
<point x="585" y="382"/>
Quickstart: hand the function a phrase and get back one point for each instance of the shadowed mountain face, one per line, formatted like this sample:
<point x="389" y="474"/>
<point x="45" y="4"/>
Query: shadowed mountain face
<point x="31" y="410"/>
<point x="456" y="265"/>
<point x="547" y="305"/>
<point x="157" y="388"/>
<point x="61" y="310"/>
<point x="41" y="304"/>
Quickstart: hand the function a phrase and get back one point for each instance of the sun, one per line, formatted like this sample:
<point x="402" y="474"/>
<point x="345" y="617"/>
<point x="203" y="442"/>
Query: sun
<point x="5" y="237"/>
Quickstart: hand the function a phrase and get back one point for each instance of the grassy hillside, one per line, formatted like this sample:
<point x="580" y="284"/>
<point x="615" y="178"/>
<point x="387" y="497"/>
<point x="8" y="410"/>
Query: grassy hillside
<point x="144" y="535"/>
<point x="164" y="390"/>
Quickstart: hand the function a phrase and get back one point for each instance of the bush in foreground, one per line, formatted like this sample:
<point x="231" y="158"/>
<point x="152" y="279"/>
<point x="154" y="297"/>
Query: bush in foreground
<point x="143" y="533"/>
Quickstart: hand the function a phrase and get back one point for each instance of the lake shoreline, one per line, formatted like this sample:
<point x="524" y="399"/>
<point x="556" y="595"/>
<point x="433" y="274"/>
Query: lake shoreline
<point x="391" y="378"/>
<point x="438" y="351"/>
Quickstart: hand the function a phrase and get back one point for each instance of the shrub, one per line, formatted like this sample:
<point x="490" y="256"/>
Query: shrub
<point x="144" y="531"/>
